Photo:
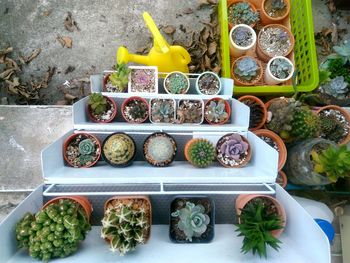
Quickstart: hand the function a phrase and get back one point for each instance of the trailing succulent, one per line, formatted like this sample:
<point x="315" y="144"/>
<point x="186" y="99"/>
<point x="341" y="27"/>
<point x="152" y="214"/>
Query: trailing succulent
<point x="247" y="69"/>
<point x="120" y="77"/>
<point x="333" y="162"/>
<point x="125" y="226"/>
<point x="305" y="124"/>
<point x="256" y="225"/>
<point x="193" y="220"/>
<point x="162" y="111"/>
<point x="280" y="68"/>
<point x="233" y="147"/>
<point x="215" y="112"/>
<point x="86" y="151"/>
<point x="201" y="153"/>
<point x="176" y="83"/>
<point x="242" y="13"/>
<point x="98" y="103"/>
<point x="54" y="232"/>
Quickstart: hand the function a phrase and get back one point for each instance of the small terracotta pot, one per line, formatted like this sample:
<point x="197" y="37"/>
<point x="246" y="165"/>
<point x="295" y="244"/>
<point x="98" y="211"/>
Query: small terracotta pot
<point x="92" y="118"/>
<point x="240" y="82"/>
<point x="71" y="137"/>
<point x="243" y="199"/>
<point x="265" y="56"/>
<point x="282" y="179"/>
<point x="282" y="155"/>
<point x="104" y="83"/>
<point x="125" y="103"/>
<point x="261" y="104"/>
<point x="344" y="113"/>
<point x="81" y="200"/>
<point x="266" y="19"/>
<point x="227" y="107"/>
<point x="231" y="2"/>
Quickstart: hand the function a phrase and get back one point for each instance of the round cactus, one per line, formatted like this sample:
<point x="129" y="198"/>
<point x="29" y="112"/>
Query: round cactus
<point x="200" y="152"/>
<point x="305" y="124"/>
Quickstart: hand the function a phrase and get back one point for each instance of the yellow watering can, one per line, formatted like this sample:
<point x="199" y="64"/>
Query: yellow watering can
<point x="167" y="58"/>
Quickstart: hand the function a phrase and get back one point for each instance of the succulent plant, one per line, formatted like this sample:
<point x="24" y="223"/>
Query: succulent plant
<point x="190" y="111"/>
<point x="201" y="153"/>
<point x="209" y="83"/>
<point x="278" y="4"/>
<point x="119" y="78"/>
<point x="242" y="13"/>
<point x="337" y="68"/>
<point x="119" y="149"/>
<point x="193" y="220"/>
<point x="280" y="68"/>
<point x="234" y="147"/>
<point x="126" y="225"/>
<point x="176" y="83"/>
<point x="162" y="110"/>
<point x="257" y="222"/>
<point x="54" y="232"/>
<point x="337" y="88"/>
<point x="143" y="80"/>
<point x="247" y="69"/>
<point x="305" y="124"/>
<point x="136" y="110"/>
<point x="333" y="162"/>
<point x="331" y="127"/>
<point x="86" y="147"/>
<point x="242" y="36"/>
<point x="98" y="103"/>
<point x="215" y="112"/>
<point x="343" y="51"/>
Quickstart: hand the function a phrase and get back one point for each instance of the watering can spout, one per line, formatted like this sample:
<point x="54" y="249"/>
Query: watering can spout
<point x="123" y="56"/>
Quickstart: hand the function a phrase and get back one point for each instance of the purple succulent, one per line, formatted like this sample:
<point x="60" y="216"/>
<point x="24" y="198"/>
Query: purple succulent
<point x="233" y="147"/>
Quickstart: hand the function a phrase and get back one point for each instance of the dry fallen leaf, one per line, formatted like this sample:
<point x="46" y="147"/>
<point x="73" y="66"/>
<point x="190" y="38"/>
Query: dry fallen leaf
<point x="65" y="41"/>
<point x="70" y="24"/>
<point x="331" y="6"/>
<point x="169" y="30"/>
<point x="47" y="12"/>
<point x="6" y="51"/>
<point x="212" y="48"/>
<point x="334" y="34"/>
<point x="188" y="11"/>
<point x="27" y="60"/>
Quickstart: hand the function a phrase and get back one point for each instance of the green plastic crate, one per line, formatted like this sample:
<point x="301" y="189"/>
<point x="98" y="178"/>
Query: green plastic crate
<point x="304" y="50"/>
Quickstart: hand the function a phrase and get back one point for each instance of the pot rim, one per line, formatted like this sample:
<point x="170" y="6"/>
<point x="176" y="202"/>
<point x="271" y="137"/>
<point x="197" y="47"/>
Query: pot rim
<point x="227" y="108"/>
<point x="270" y="73"/>
<point x="211" y="73"/>
<point x="176" y="72"/>
<point x="253" y="37"/>
<point x="261" y="104"/>
<point x="126" y="101"/>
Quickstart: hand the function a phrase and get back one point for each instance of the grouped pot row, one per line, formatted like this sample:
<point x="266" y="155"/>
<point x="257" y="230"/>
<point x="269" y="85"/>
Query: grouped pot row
<point x="103" y="109"/>
<point x="57" y="229"/>
<point x="273" y="43"/>
<point x="159" y="149"/>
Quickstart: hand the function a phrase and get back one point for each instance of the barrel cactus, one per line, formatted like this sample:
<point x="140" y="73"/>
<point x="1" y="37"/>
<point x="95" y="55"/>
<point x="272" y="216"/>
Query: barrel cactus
<point x="305" y="124"/>
<point x="200" y="152"/>
<point x="331" y="127"/>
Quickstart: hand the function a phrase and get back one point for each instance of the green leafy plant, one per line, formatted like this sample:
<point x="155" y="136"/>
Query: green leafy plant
<point x="98" y="103"/>
<point x="120" y="77"/>
<point x="256" y="225"/>
<point x="201" y="153"/>
<point x="242" y="13"/>
<point x="247" y="69"/>
<point x="305" y="123"/>
<point x="216" y="111"/>
<point x="280" y="68"/>
<point x="333" y="162"/>
<point x="337" y="68"/>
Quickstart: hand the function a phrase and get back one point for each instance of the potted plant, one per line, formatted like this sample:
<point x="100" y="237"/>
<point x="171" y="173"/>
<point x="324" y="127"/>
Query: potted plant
<point x="275" y="142"/>
<point x="190" y="111"/>
<point x="135" y="110"/>
<point x="274" y="40"/>
<point x="126" y="222"/>
<point x="241" y="12"/>
<point x="119" y="149"/>
<point x="208" y="83"/>
<point x="335" y="92"/>
<point x="274" y="11"/>
<point x="81" y="150"/>
<point x="246" y="71"/>
<point x="176" y="82"/>
<point x="192" y="220"/>
<point x="317" y="162"/>
<point x="282" y="179"/>
<point x="101" y="109"/>
<point x="217" y="111"/>
<point x="118" y="80"/>
<point x="56" y="230"/>
<point x="278" y="70"/>
<point x="143" y="80"/>
<point x="200" y="152"/>
<point x="258" y="112"/>
<point x="233" y="151"/>
<point x="159" y="149"/>
<point x="242" y="39"/>
<point x="335" y="123"/>
<point x="261" y="220"/>
<point x="162" y="111"/>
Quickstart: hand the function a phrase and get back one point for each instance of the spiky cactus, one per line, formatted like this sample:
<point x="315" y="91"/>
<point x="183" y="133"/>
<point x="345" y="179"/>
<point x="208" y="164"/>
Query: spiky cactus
<point x="305" y="124"/>
<point x="126" y="224"/>
<point x="200" y="152"/>
<point x="331" y="127"/>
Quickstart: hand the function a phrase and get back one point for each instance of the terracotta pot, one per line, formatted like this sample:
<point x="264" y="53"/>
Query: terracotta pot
<point x="125" y="103"/>
<point x="71" y="137"/>
<point x="243" y="199"/>
<point x="104" y="83"/>
<point x="344" y="112"/>
<point x="231" y="2"/>
<point x="81" y="200"/>
<point x="282" y="155"/>
<point x="92" y="118"/>
<point x="261" y="104"/>
<point x="240" y="82"/>
<point x="227" y="107"/>
<point x="265" y="56"/>
<point x="282" y="179"/>
<point x="266" y="19"/>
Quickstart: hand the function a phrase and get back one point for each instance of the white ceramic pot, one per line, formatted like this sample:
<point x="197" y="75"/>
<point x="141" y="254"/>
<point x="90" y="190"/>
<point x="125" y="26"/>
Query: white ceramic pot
<point x="271" y="79"/>
<point x="236" y="50"/>
<point x="215" y="75"/>
<point x="177" y="72"/>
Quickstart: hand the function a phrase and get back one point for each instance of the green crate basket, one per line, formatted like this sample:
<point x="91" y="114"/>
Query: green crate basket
<point x="304" y="51"/>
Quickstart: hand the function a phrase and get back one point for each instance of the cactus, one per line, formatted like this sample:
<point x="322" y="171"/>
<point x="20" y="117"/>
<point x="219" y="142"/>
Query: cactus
<point x="337" y="88"/>
<point x="119" y="149"/>
<point x="331" y="127"/>
<point x="280" y="68"/>
<point x="126" y="225"/>
<point x="119" y="79"/>
<point x="193" y="220"/>
<point x="98" y="103"/>
<point x="162" y="110"/>
<point x="242" y="13"/>
<point x="201" y="153"/>
<point x="176" y="83"/>
<point x="136" y="110"/>
<point x="305" y="124"/>
<point x="215" y="112"/>
<point x="247" y="69"/>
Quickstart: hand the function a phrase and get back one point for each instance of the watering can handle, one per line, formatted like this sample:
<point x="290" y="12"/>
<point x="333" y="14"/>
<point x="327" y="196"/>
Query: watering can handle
<point x="159" y="41"/>
<point x="186" y="59"/>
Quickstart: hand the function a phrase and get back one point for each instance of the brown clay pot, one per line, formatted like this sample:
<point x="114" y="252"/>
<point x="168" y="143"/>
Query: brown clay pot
<point x="345" y="113"/>
<point x="265" y="56"/>
<point x="71" y="137"/>
<point x="243" y="199"/>
<point x="81" y="200"/>
<point x="282" y="179"/>
<point x="227" y="107"/>
<point x="266" y="19"/>
<point x="261" y="104"/>
<point x="240" y="82"/>
<point x="282" y="155"/>
<point x="125" y="103"/>
<point x="230" y="3"/>
<point x="92" y="118"/>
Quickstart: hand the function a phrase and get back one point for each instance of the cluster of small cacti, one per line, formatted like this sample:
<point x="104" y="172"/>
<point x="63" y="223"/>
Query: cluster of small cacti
<point x="247" y="69"/>
<point x="216" y="112"/>
<point x="162" y="110"/>
<point x="98" y="103"/>
<point x="242" y="13"/>
<point x="305" y="124"/>
<point x="176" y="83"/>
<point x="200" y="152"/>
<point x="119" y="149"/>
<point x="119" y="79"/>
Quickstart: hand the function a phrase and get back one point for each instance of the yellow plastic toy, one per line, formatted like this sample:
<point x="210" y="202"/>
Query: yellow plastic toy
<point x="167" y="58"/>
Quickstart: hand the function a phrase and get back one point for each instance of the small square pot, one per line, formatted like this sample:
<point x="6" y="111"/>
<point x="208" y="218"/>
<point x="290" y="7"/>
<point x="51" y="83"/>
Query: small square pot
<point x="153" y="82"/>
<point x="178" y="107"/>
<point x="151" y="107"/>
